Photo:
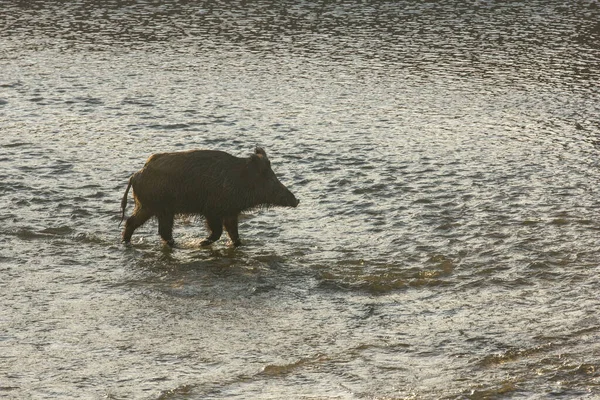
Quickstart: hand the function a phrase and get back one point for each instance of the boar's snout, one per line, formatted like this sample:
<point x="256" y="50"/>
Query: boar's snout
<point x="281" y="195"/>
<point x="294" y="201"/>
<point x="287" y="198"/>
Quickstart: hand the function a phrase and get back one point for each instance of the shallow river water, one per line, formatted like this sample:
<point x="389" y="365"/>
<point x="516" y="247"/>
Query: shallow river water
<point x="446" y="156"/>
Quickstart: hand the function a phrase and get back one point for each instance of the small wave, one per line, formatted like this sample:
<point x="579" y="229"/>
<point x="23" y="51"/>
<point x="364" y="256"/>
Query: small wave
<point x="137" y="102"/>
<point x="31" y="234"/>
<point x="28" y="234"/>
<point x="376" y="188"/>
<point x="176" y="393"/>
<point x="576" y="373"/>
<point x="82" y="212"/>
<point x="91" y="100"/>
<point x="381" y="278"/>
<point x="560" y="221"/>
<point x="285" y="369"/>
<point x="502" y="389"/>
<point x="58" y="231"/>
<point x="514" y="355"/>
<point x="92" y="238"/>
<point x="169" y="126"/>
<point x="373" y="286"/>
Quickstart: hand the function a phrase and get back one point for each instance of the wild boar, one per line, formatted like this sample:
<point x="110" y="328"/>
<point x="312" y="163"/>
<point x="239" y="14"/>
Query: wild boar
<point x="214" y="184"/>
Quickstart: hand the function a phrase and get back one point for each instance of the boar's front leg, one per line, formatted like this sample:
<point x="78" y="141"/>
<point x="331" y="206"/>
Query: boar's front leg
<point x="215" y="226"/>
<point x="165" y="227"/>
<point x="231" y="225"/>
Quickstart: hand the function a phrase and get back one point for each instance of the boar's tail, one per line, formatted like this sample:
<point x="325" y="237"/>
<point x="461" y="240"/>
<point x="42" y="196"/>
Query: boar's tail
<point x="124" y="201"/>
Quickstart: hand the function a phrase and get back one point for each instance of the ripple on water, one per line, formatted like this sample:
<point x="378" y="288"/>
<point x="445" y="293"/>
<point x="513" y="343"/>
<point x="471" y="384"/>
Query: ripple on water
<point x="445" y="156"/>
<point x="381" y="278"/>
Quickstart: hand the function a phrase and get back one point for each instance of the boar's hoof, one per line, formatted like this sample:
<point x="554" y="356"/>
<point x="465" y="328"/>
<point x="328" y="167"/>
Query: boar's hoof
<point x="237" y="243"/>
<point x="170" y="243"/>
<point x="206" y="242"/>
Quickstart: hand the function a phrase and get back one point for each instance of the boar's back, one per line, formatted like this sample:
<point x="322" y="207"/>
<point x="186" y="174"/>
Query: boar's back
<point x="196" y="181"/>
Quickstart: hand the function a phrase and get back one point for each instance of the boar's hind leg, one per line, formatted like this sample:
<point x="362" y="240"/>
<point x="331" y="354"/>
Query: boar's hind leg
<point x="137" y="219"/>
<point x="215" y="226"/>
<point x="165" y="227"/>
<point x="231" y="225"/>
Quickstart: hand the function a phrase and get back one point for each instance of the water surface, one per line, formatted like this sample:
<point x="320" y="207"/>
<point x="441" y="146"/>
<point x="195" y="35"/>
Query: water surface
<point x="445" y="155"/>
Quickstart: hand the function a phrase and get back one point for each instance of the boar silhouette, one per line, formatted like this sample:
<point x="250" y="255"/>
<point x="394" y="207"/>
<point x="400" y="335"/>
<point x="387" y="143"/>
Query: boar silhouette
<point x="214" y="184"/>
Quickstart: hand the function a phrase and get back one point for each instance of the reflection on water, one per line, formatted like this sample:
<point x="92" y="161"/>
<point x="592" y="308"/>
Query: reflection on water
<point x="446" y="159"/>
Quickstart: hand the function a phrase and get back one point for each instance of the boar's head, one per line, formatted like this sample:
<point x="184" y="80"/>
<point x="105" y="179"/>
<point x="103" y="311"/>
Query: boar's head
<point x="268" y="190"/>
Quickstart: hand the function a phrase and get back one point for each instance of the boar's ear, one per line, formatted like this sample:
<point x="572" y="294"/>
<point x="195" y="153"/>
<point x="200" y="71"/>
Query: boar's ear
<point x="259" y="160"/>
<point x="260" y="151"/>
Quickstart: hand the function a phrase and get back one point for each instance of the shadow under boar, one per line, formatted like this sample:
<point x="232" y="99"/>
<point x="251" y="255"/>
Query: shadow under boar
<point x="211" y="183"/>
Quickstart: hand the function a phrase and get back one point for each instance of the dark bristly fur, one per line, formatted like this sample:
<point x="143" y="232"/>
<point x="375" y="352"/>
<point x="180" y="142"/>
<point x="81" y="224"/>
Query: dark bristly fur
<point x="211" y="183"/>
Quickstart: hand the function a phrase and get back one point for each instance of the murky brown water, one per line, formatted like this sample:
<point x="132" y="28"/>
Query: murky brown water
<point x="446" y="158"/>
